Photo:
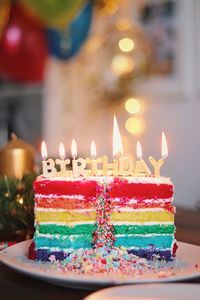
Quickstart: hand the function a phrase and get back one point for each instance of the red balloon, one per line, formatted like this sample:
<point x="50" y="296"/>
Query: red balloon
<point x="23" y="48"/>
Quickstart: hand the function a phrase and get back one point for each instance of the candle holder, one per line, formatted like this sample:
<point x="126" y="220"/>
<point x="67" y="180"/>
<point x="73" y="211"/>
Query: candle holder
<point x="16" y="158"/>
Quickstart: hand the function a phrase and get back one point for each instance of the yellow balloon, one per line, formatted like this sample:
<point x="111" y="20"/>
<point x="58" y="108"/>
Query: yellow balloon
<point x="54" y="13"/>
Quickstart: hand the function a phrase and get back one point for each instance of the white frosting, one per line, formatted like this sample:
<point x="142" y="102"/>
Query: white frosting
<point x="130" y="209"/>
<point x="113" y="222"/>
<point x="142" y="223"/>
<point x="108" y="179"/>
<point x="52" y="249"/>
<point x="74" y="236"/>
<point x="135" y="201"/>
<point x="142" y="235"/>
<point x="79" y="197"/>
<point x="116" y="199"/>
<point x="70" y="250"/>
<point x="68" y="223"/>
<point x="138" y="248"/>
<point x="88" y="210"/>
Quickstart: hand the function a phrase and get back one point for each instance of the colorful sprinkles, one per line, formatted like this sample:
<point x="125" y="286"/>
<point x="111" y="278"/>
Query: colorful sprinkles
<point x="104" y="234"/>
<point x="115" y="261"/>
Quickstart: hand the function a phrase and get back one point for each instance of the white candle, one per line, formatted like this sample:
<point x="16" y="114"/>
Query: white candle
<point x="157" y="164"/>
<point x="141" y="168"/>
<point x="117" y="147"/>
<point x="78" y="165"/>
<point x="62" y="162"/>
<point x="94" y="161"/>
<point x="48" y="166"/>
<point x="74" y="155"/>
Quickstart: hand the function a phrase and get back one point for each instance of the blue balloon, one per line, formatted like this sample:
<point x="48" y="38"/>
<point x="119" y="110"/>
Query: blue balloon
<point x="67" y="43"/>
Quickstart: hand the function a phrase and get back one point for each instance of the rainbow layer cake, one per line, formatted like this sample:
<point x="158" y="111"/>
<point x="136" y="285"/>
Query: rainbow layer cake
<point x="133" y="213"/>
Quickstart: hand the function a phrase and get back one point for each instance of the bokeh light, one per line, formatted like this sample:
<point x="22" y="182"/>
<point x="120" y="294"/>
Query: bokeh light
<point x="126" y="44"/>
<point x="111" y="6"/>
<point x="122" y="64"/>
<point x="123" y="24"/>
<point x="134" y="125"/>
<point x="132" y="106"/>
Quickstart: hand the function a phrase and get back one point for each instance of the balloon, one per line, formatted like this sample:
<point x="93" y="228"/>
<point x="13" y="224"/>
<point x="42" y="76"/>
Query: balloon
<point x="23" y="48"/>
<point x="54" y="13"/>
<point x="4" y="14"/>
<point x="65" y="44"/>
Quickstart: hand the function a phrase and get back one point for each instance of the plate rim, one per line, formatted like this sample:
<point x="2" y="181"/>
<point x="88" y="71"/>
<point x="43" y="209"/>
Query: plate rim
<point x="24" y="267"/>
<point x="162" y="286"/>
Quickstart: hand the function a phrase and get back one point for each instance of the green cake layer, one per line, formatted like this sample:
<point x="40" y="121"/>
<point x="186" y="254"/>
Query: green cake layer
<point x="119" y="229"/>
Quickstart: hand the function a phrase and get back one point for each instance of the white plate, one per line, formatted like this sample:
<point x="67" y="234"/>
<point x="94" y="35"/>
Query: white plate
<point x="149" y="292"/>
<point x="187" y="266"/>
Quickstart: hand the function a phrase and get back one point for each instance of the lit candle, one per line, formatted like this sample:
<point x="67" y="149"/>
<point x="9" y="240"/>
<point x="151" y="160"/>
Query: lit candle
<point x="74" y="155"/>
<point x="157" y="164"/>
<point x="62" y="162"/>
<point x="78" y="165"/>
<point x="93" y="150"/>
<point x="141" y="168"/>
<point x="117" y="146"/>
<point x="48" y="166"/>
<point x="94" y="162"/>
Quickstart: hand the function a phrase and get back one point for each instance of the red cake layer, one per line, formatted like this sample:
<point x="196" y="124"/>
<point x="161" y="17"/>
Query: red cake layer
<point x="118" y="188"/>
<point x="63" y="187"/>
<point x="74" y="203"/>
<point x="142" y="190"/>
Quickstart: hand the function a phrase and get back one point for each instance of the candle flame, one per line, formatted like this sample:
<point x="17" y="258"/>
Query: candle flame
<point x="62" y="151"/>
<point x="117" y="142"/>
<point x="164" y="146"/>
<point x="44" y="150"/>
<point x="74" y="149"/>
<point x="93" y="150"/>
<point x="139" y="150"/>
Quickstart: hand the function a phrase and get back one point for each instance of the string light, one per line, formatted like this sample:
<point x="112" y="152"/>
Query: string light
<point x="123" y="24"/>
<point x="122" y="64"/>
<point x="110" y="7"/>
<point x="132" y="106"/>
<point x="19" y="199"/>
<point x="126" y="44"/>
<point x="134" y="125"/>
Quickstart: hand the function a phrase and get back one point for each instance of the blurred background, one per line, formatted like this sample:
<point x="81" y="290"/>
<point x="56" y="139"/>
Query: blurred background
<point x="67" y="66"/>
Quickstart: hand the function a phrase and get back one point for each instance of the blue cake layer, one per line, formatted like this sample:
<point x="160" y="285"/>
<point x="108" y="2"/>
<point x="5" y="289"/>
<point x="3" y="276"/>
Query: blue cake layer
<point x="142" y="241"/>
<point x="85" y="241"/>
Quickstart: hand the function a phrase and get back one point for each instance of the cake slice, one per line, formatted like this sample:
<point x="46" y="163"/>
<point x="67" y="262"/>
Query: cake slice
<point x="134" y="213"/>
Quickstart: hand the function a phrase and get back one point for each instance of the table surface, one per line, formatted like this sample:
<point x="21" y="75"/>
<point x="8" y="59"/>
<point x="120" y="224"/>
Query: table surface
<point x="18" y="286"/>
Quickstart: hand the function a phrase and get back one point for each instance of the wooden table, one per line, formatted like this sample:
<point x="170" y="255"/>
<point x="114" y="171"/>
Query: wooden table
<point x="14" y="285"/>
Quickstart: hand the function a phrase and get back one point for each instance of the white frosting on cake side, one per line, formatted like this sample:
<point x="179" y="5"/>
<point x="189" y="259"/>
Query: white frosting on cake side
<point x="108" y="179"/>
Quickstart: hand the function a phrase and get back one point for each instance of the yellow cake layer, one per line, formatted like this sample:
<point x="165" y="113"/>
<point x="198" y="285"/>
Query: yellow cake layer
<point x="134" y="216"/>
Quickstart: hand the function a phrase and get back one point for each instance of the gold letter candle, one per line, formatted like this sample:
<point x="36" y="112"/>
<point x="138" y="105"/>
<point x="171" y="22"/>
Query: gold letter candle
<point x="157" y="164"/>
<point x="62" y="162"/>
<point x="48" y="166"/>
<point x="117" y="147"/>
<point x="121" y="166"/>
<point x="78" y="165"/>
<point x="141" y="168"/>
<point x="94" y="162"/>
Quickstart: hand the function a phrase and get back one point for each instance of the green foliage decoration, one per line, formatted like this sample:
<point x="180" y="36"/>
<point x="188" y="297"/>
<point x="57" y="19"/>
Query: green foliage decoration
<point x="16" y="203"/>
